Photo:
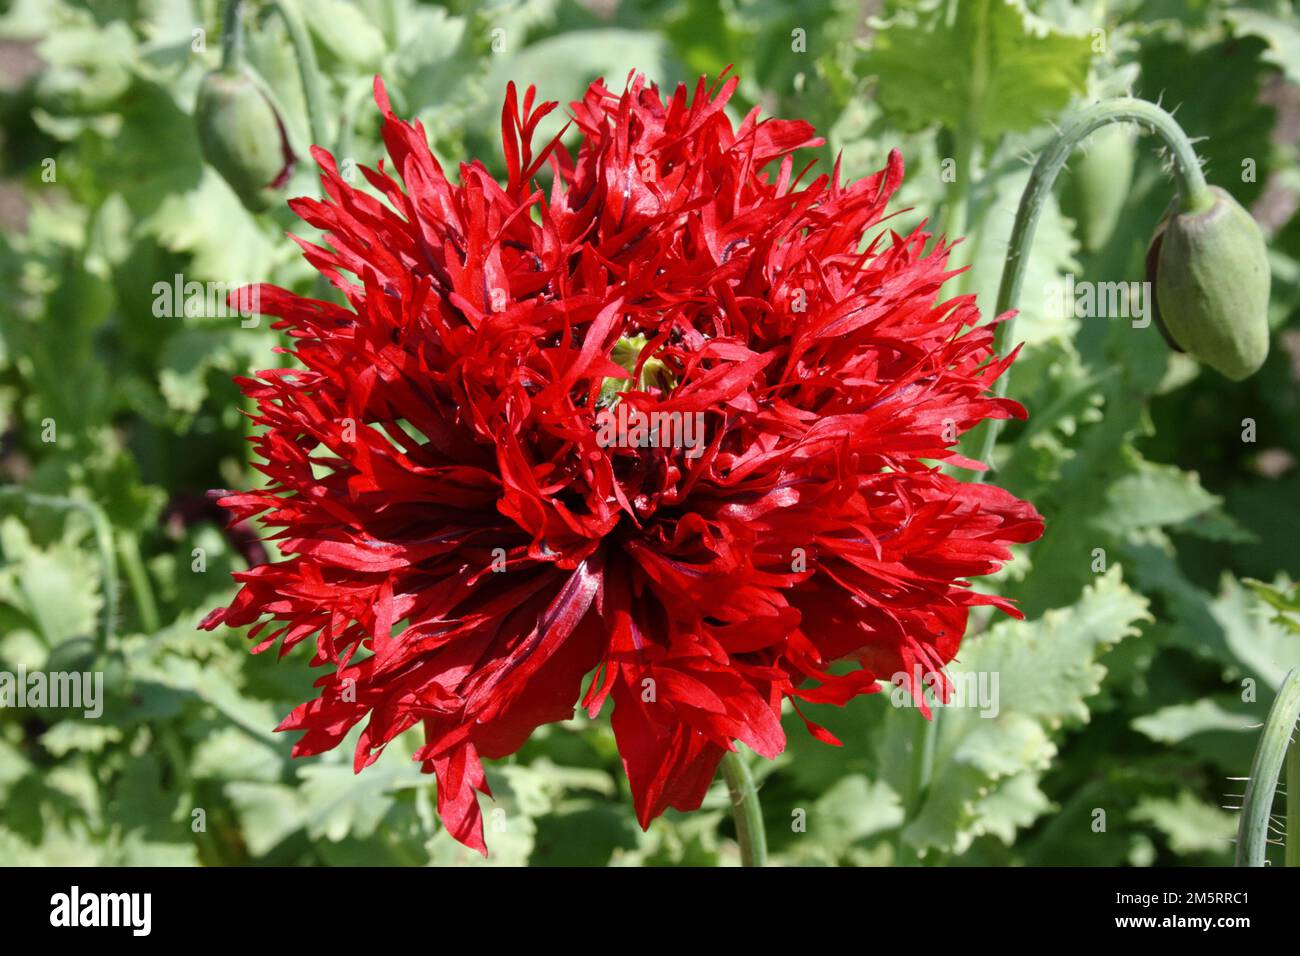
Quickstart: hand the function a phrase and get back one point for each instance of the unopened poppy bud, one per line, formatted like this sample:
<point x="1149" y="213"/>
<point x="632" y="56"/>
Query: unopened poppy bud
<point x="243" y="138"/>
<point x="1099" y="183"/>
<point x="1209" y="269"/>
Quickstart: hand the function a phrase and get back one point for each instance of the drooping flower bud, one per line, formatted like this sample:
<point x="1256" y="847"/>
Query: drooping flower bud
<point x="1210" y="273"/>
<point x="243" y="137"/>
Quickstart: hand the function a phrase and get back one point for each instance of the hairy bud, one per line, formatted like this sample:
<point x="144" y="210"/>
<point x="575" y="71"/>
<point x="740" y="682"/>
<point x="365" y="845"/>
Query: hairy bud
<point x="1210" y="273"/>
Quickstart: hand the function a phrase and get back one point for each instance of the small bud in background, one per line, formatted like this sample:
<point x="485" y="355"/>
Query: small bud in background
<point x="1211" y="276"/>
<point x="1099" y="182"/>
<point x="243" y="138"/>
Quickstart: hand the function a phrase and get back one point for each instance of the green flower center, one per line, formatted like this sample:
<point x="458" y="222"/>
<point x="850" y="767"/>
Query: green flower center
<point x="626" y="353"/>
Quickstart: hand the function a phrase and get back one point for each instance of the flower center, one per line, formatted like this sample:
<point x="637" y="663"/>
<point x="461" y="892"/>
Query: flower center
<point x="626" y="353"/>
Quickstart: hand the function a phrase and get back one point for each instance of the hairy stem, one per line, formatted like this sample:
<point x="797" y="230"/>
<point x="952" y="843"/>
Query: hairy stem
<point x="745" y="809"/>
<point x="1194" y="195"/>
<point x="313" y="86"/>
<point x="1257" y="807"/>
<point x="1292" y="798"/>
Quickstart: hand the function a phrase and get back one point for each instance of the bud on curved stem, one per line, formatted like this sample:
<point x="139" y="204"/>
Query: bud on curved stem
<point x="1210" y="273"/>
<point x="242" y="136"/>
<point x="1194" y="197"/>
<point x="240" y="131"/>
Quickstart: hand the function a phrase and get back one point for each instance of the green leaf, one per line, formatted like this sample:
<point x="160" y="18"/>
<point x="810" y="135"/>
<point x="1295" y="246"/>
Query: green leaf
<point x="1045" y="671"/>
<point x="563" y="65"/>
<point x="152" y="154"/>
<point x="77" y="735"/>
<point x="13" y="766"/>
<point x="854" y="809"/>
<point x="227" y="753"/>
<point x="55" y="588"/>
<point x="972" y="761"/>
<point x="1190" y="825"/>
<point x="1153" y="495"/>
<point x="987" y="66"/>
<point x="583" y="833"/>
<point x="1260" y="647"/>
<point x="268" y="813"/>
<point x="1280" y="35"/>
<point x="1063" y="393"/>
<point x="1180" y="722"/>
<point x="1013" y="805"/>
<point x="1234" y="629"/>
<point x="1284" y="600"/>
<point x="136" y="850"/>
<point x="227" y="243"/>
<point x="346" y="32"/>
<point x="338" y="802"/>
<point x="88" y="67"/>
<point x="1048" y="667"/>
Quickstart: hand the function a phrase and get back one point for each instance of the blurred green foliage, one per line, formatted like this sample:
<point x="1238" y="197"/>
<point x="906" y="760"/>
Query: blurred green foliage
<point x="1128" y="697"/>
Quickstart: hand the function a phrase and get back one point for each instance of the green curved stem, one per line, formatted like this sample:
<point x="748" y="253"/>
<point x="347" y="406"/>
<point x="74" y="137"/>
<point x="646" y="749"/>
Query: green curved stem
<point x="313" y="87"/>
<point x="745" y="809"/>
<point x="1193" y="191"/>
<point x="1257" y="807"/>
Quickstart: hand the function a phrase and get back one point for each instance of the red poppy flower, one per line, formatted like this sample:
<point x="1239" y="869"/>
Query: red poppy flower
<point x="666" y="422"/>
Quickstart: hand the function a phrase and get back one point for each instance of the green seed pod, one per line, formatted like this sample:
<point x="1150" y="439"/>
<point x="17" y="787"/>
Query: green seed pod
<point x="243" y="138"/>
<point x="1209" y="270"/>
<point x="1099" y="183"/>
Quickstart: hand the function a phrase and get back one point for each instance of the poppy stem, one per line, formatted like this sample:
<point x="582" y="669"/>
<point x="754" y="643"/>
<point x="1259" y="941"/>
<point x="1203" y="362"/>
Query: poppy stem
<point x="1193" y="191"/>
<point x="1257" y="806"/>
<point x="745" y="809"/>
<point x="137" y="575"/>
<point x="313" y="88"/>
<point x="232" y="36"/>
<point x="924" y="743"/>
<point x="1292" y="797"/>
